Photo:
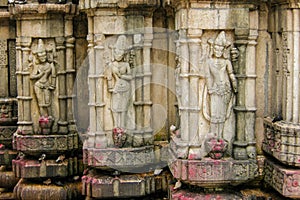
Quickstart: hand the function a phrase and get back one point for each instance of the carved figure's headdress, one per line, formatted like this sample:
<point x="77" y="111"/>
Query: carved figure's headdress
<point x="220" y="40"/>
<point x="120" y="47"/>
<point x="41" y="50"/>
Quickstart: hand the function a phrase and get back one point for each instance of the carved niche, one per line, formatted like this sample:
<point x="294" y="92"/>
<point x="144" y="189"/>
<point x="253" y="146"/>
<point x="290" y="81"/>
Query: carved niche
<point x="43" y="68"/>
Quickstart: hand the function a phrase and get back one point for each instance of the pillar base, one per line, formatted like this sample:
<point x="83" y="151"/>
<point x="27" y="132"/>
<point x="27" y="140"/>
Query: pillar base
<point x="281" y="141"/>
<point x="283" y="179"/>
<point x="35" y="145"/>
<point x="125" y="186"/>
<point x="24" y="168"/>
<point x="210" y="173"/>
<point x="139" y="159"/>
<point x="28" y="190"/>
<point x="183" y="194"/>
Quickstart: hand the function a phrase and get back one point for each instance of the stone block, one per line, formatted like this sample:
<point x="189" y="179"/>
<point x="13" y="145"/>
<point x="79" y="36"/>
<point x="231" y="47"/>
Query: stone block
<point x="48" y="144"/>
<point x="283" y="179"/>
<point x="179" y="148"/>
<point x="123" y="159"/>
<point x="125" y="186"/>
<point x="215" y="18"/>
<point x="183" y="194"/>
<point x="110" y="24"/>
<point x="27" y="190"/>
<point x="281" y="140"/>
<point x="211" y="173"/>
<point x="24" y="168"/>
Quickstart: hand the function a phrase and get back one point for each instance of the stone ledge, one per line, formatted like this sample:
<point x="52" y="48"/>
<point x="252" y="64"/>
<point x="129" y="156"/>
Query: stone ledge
<point x="281" y="140"/>
<point x="36" y="8"/>
<point x="34" y="191"/>
<point x="283" y="179"/>
<point x="48" y="144"/>
<point x="212" y="173"/>
<point x="88" y="4"/>
<point x="46" y="168"/>
<point x="184" y="194"/>
<point x="125" y="186"/>
<point x="123" y="159"/>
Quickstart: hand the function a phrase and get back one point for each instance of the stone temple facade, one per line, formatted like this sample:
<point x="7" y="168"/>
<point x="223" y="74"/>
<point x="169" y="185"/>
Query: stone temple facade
<point x="148" y="99"/>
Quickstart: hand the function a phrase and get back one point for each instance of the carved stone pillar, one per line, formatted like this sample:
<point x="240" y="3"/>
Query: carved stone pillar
<point x="216" y="94"/>
<point x="46" y="133"/>
<point x="148" y="37"/>
<point x="120" y="135"/>
<point x="244" y="146"/>
<point x="281" y="137"/>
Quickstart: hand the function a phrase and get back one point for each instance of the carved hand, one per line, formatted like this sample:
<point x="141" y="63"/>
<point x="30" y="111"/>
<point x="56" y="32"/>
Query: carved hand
<point x="51" y="87"/>
<point x="234" y="86"/>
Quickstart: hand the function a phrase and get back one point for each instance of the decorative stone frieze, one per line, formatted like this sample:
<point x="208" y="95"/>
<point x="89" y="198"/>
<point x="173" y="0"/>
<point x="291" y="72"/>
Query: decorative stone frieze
<point x="283" y="179"/>
<point x="211" y="173"/>
<point x="282" y="141"/>
<point x="133" y="185"/>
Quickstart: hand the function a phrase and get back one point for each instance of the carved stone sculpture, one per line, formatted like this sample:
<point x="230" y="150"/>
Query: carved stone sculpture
<point x="44" y="75"/>
<point x="221" y="84"/>
<point x="119" y="72"/>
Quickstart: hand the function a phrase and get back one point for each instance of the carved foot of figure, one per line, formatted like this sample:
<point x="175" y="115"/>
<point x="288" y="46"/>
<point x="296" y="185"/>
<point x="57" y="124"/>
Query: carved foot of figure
<point x="46" y="124"/>
<point x="119" y="137"/>
<point x="216" y="147"/>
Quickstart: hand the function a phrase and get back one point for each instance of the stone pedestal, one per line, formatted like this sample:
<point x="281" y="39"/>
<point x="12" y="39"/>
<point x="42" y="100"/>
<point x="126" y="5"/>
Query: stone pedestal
<point x="124" y="186"/>
<point x="283" y="179"/>
<point x="24" y="168"/>
<point x="281" y="141"/>
<point x="123" y="159"/>
<point x="183" y="194"/>
<point x="34" y="190"/>
<point x="210" y="173"/>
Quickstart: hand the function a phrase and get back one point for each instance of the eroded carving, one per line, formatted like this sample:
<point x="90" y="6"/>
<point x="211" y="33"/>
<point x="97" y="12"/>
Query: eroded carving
<point x="119" y="75"/>
<point x="221" y="84"/>
<point x="44" y="75"/>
